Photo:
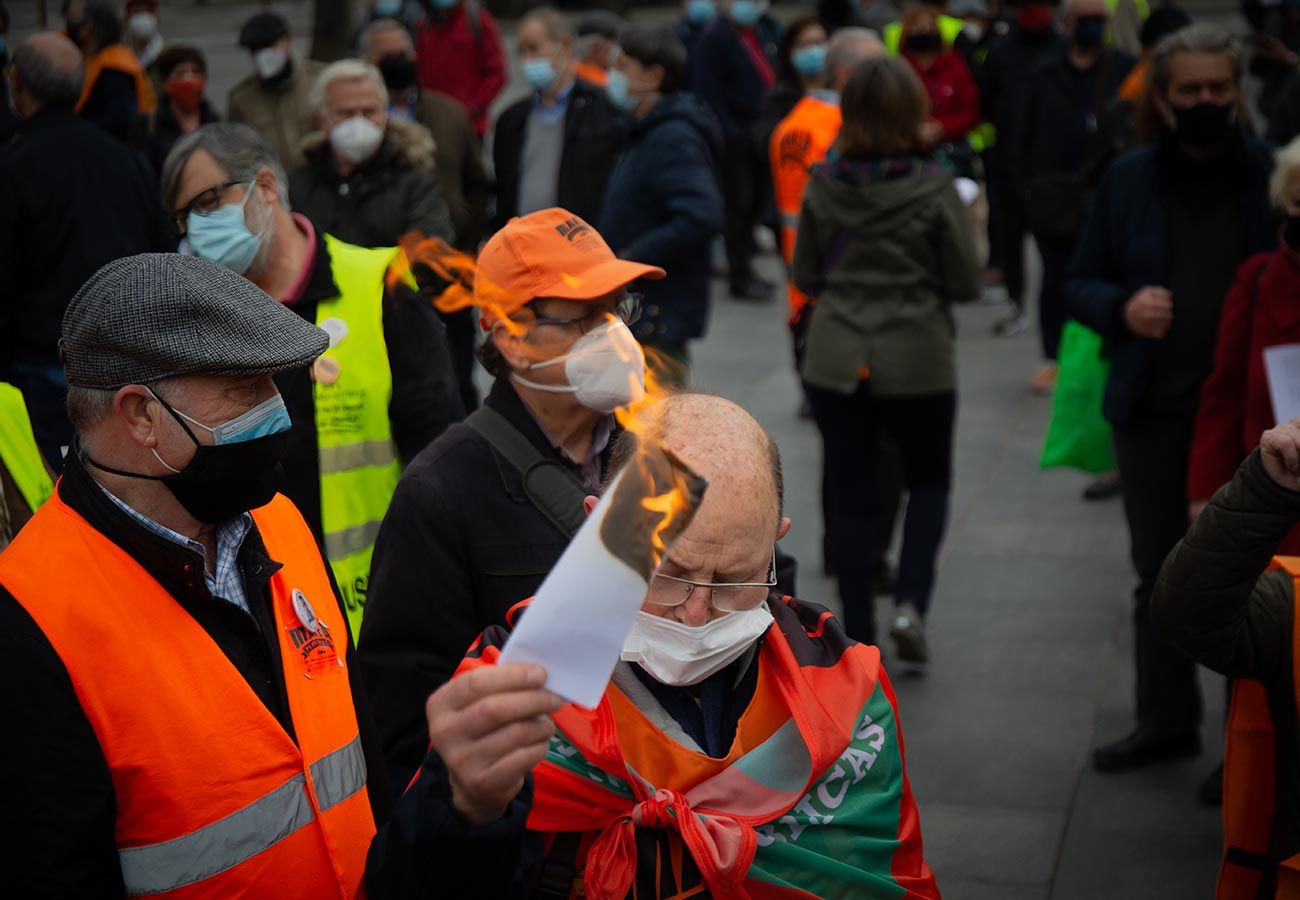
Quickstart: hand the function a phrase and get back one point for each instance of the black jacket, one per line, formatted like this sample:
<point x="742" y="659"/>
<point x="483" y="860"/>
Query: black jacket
<point x="112" y="104"/>
<point x="1005" y="79"/>
<point x="1124" y="246"/>
<point x="724" y="75"/>
<point x="61" y="840"/>
<point x="461" y="544"/>
<point x="425" y="399"/>
<point x="71" y="200"/>
<point x="1213" y="602"/>
<point x="156" y="132"/>
<point x="594" y="134"/>
<point x="663" y="207"/>
<point x="393" y="192"/>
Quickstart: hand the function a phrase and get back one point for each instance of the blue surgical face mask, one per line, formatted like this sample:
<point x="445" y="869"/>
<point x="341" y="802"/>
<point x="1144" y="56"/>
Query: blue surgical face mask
<point x="539" y="73"/>
<point x="222" y="236"/>
<point x="701" y="11"/>
<point x="388" y="8"/>
<point x="617" y="90"/>
<point x="444" y="4"/>
<point x="809" y="60"/>
<point x="745" y="13"/>
<point x="268" y="417"/>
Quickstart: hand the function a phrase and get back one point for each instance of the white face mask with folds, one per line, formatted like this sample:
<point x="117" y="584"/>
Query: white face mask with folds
<point x="605" y="369"/>
<point x="681" y="655"/>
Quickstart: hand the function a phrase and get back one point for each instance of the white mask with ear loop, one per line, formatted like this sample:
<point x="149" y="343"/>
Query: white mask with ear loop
<point x="681" y="655"/>
<point x="605" y="369"/>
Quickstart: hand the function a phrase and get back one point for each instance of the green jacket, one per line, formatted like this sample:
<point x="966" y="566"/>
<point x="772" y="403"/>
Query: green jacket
<point x="884" y="247"/>
<point x="1214" y="601"/>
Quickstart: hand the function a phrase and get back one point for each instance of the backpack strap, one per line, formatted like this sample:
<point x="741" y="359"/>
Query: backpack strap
<point x="551" y="486"/>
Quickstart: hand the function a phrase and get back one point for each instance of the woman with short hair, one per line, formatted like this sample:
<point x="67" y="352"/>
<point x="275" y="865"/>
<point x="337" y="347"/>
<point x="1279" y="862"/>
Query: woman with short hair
<point x="885" y="246"/>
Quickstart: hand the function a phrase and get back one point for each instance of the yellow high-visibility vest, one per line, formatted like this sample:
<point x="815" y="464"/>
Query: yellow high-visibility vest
<point x="18" y="450"/>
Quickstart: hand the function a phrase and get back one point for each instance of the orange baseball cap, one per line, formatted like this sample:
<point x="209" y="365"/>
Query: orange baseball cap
<point x="549" y="253"/>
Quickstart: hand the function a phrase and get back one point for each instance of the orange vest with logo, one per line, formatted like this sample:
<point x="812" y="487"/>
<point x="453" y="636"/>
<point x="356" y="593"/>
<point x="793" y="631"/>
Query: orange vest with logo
<point x="119" y="58"/>
<point x="800" y="141"/>
<point x="1249" y="782"/>
<point x="213" y="798"/>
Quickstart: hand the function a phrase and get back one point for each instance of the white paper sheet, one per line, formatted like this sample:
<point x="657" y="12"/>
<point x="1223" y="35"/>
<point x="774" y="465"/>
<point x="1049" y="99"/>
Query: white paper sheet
<point x="576" y="625"/>
<point x="1282" y="364"/>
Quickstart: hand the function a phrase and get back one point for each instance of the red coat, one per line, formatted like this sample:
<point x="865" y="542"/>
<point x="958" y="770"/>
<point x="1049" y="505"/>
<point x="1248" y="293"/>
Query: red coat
<point x="1262" y="309"/>
<point x="462" y="61"/>
<point x="954" y="99"/>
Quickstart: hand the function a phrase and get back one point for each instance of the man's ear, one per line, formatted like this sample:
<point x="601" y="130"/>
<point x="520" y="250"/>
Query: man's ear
<point x="267" y="187"/>
<point x="784" y="528"/>
<point x="510" y="345"/>
<point x="132" y="406"/>
<point x="658" y="74"/>
<point x="589" y="503"/>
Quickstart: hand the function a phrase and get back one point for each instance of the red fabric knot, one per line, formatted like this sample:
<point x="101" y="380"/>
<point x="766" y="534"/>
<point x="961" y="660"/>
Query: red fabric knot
<point x="658" y="811"/>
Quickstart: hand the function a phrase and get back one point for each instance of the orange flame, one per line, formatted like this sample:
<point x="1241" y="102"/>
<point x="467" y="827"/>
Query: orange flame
<point x="675" y="504"/>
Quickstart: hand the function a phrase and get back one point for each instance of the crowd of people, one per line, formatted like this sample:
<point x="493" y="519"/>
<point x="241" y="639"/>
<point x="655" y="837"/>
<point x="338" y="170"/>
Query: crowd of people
<point x="240" y="349"/>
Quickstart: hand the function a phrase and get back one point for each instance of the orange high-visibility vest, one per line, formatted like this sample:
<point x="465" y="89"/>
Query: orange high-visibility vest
<point x="213" y="798"/>
<point x="1249" y="782"/>
<point x="800" y="140"/>
<point x="119" y="58"/>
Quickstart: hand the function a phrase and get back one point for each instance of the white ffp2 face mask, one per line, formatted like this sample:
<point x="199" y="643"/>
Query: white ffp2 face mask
<point x="270" y="62"/>
<point x="605" y="369"/>
<point x="680" y="655"/>
<point x="356" y="139"/>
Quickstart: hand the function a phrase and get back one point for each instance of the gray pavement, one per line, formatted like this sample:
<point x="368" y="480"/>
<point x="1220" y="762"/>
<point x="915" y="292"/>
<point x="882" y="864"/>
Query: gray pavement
<point x="1030" y="627"/>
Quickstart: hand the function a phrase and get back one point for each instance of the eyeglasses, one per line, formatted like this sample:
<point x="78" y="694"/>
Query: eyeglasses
<point x="206" y="202"/>
<point x="670" y="591"/>
<point x="628" y="310"/>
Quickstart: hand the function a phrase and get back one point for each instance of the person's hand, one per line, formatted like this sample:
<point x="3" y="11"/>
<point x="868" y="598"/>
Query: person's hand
<point x="931" y="132"/>
<point x="1279" y="449"/>
<point x="1195" y="508"/>
<point x="1150" y="312"/>
<point x="491" y="726"/>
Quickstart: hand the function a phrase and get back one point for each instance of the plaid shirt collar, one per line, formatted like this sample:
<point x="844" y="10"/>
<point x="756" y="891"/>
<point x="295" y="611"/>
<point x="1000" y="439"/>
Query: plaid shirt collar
<point x="226" y="580"/>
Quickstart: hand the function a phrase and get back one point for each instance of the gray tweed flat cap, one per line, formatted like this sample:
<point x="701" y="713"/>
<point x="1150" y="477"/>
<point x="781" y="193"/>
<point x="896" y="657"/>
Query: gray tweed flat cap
<point x="143" y="318"/>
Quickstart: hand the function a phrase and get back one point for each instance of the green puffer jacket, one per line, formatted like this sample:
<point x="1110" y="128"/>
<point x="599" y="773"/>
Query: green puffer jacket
<point x="885" y="247"/>
<point x="1215" y="602"/>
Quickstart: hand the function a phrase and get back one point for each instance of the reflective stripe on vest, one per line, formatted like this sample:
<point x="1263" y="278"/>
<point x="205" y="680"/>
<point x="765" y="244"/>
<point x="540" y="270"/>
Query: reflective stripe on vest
<point x="212" y="798"/>
<point x="1250" y="781"/>
<point x="18" y="450"/>
<point x="949" y="29"/>
<point x="359" y="465"/>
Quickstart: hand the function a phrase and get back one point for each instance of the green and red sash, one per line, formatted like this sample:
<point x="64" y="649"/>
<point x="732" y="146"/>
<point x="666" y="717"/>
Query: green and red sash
<point x="812" y="801"/>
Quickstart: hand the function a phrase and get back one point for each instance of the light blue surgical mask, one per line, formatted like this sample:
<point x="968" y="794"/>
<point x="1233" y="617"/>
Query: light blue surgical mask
<point x="444" y="4"/>
<point x="809" y="60"/>
<point x="222" y="236"/>
<point x="268" y="417"/>
<point x="746" y="13"/>
<point x="539" y="73"/>
<point x="617" y="90"/>
<point x="388" y="8"/>
<point x="701" y="11"/>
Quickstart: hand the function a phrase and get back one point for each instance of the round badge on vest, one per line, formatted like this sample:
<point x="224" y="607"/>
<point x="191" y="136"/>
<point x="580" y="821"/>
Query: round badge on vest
<point x="336" y="328"/>
<point x="325" y="370"/>
<point x="306" y="615"/>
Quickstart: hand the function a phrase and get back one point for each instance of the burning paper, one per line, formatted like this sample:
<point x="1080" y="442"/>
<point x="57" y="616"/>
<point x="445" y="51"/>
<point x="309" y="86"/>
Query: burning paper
<point x="584" y="610"/>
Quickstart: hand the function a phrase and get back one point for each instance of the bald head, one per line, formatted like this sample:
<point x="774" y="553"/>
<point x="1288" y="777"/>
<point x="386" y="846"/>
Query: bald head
<point x="1083" y="9"/>
<point x="47" y="74"/>
<point x="847" y="48"/>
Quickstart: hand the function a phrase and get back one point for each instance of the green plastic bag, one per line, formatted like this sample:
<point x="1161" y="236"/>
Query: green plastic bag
<point x="1078" y="436"/>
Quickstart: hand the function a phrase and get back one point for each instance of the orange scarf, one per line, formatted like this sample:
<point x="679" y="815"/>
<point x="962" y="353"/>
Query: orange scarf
<point x="118" y="58"/>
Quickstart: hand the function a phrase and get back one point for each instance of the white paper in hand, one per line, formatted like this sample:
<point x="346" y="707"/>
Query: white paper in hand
<point x="1282" y="364"/>
<point x="583" y="612"/>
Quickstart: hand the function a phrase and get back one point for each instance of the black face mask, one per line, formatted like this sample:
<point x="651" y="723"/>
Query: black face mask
<point x="924" y="43"/>
<point x="399" y="73"/>
<point x="1205" y="125"/>
<point x="1089" y="32"/>
<point x="1291" y="233"/>
<point x="222" y="481"/>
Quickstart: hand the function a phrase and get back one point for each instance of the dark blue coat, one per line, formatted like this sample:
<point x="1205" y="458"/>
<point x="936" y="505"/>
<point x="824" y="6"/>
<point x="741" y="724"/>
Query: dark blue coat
<point x="1125" y="247"/>
<point x="723" y="73"/>
<point x="663" y="207"/>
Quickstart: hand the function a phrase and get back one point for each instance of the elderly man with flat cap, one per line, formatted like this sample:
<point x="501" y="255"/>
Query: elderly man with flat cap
<point x="189" y="718"/>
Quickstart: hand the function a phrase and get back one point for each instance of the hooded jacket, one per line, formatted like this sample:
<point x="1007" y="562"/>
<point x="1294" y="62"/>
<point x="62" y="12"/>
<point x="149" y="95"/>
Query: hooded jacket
<point x="393" y="192"/>
<point x="663" y="206"/>
<point x="884" y="246"/>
